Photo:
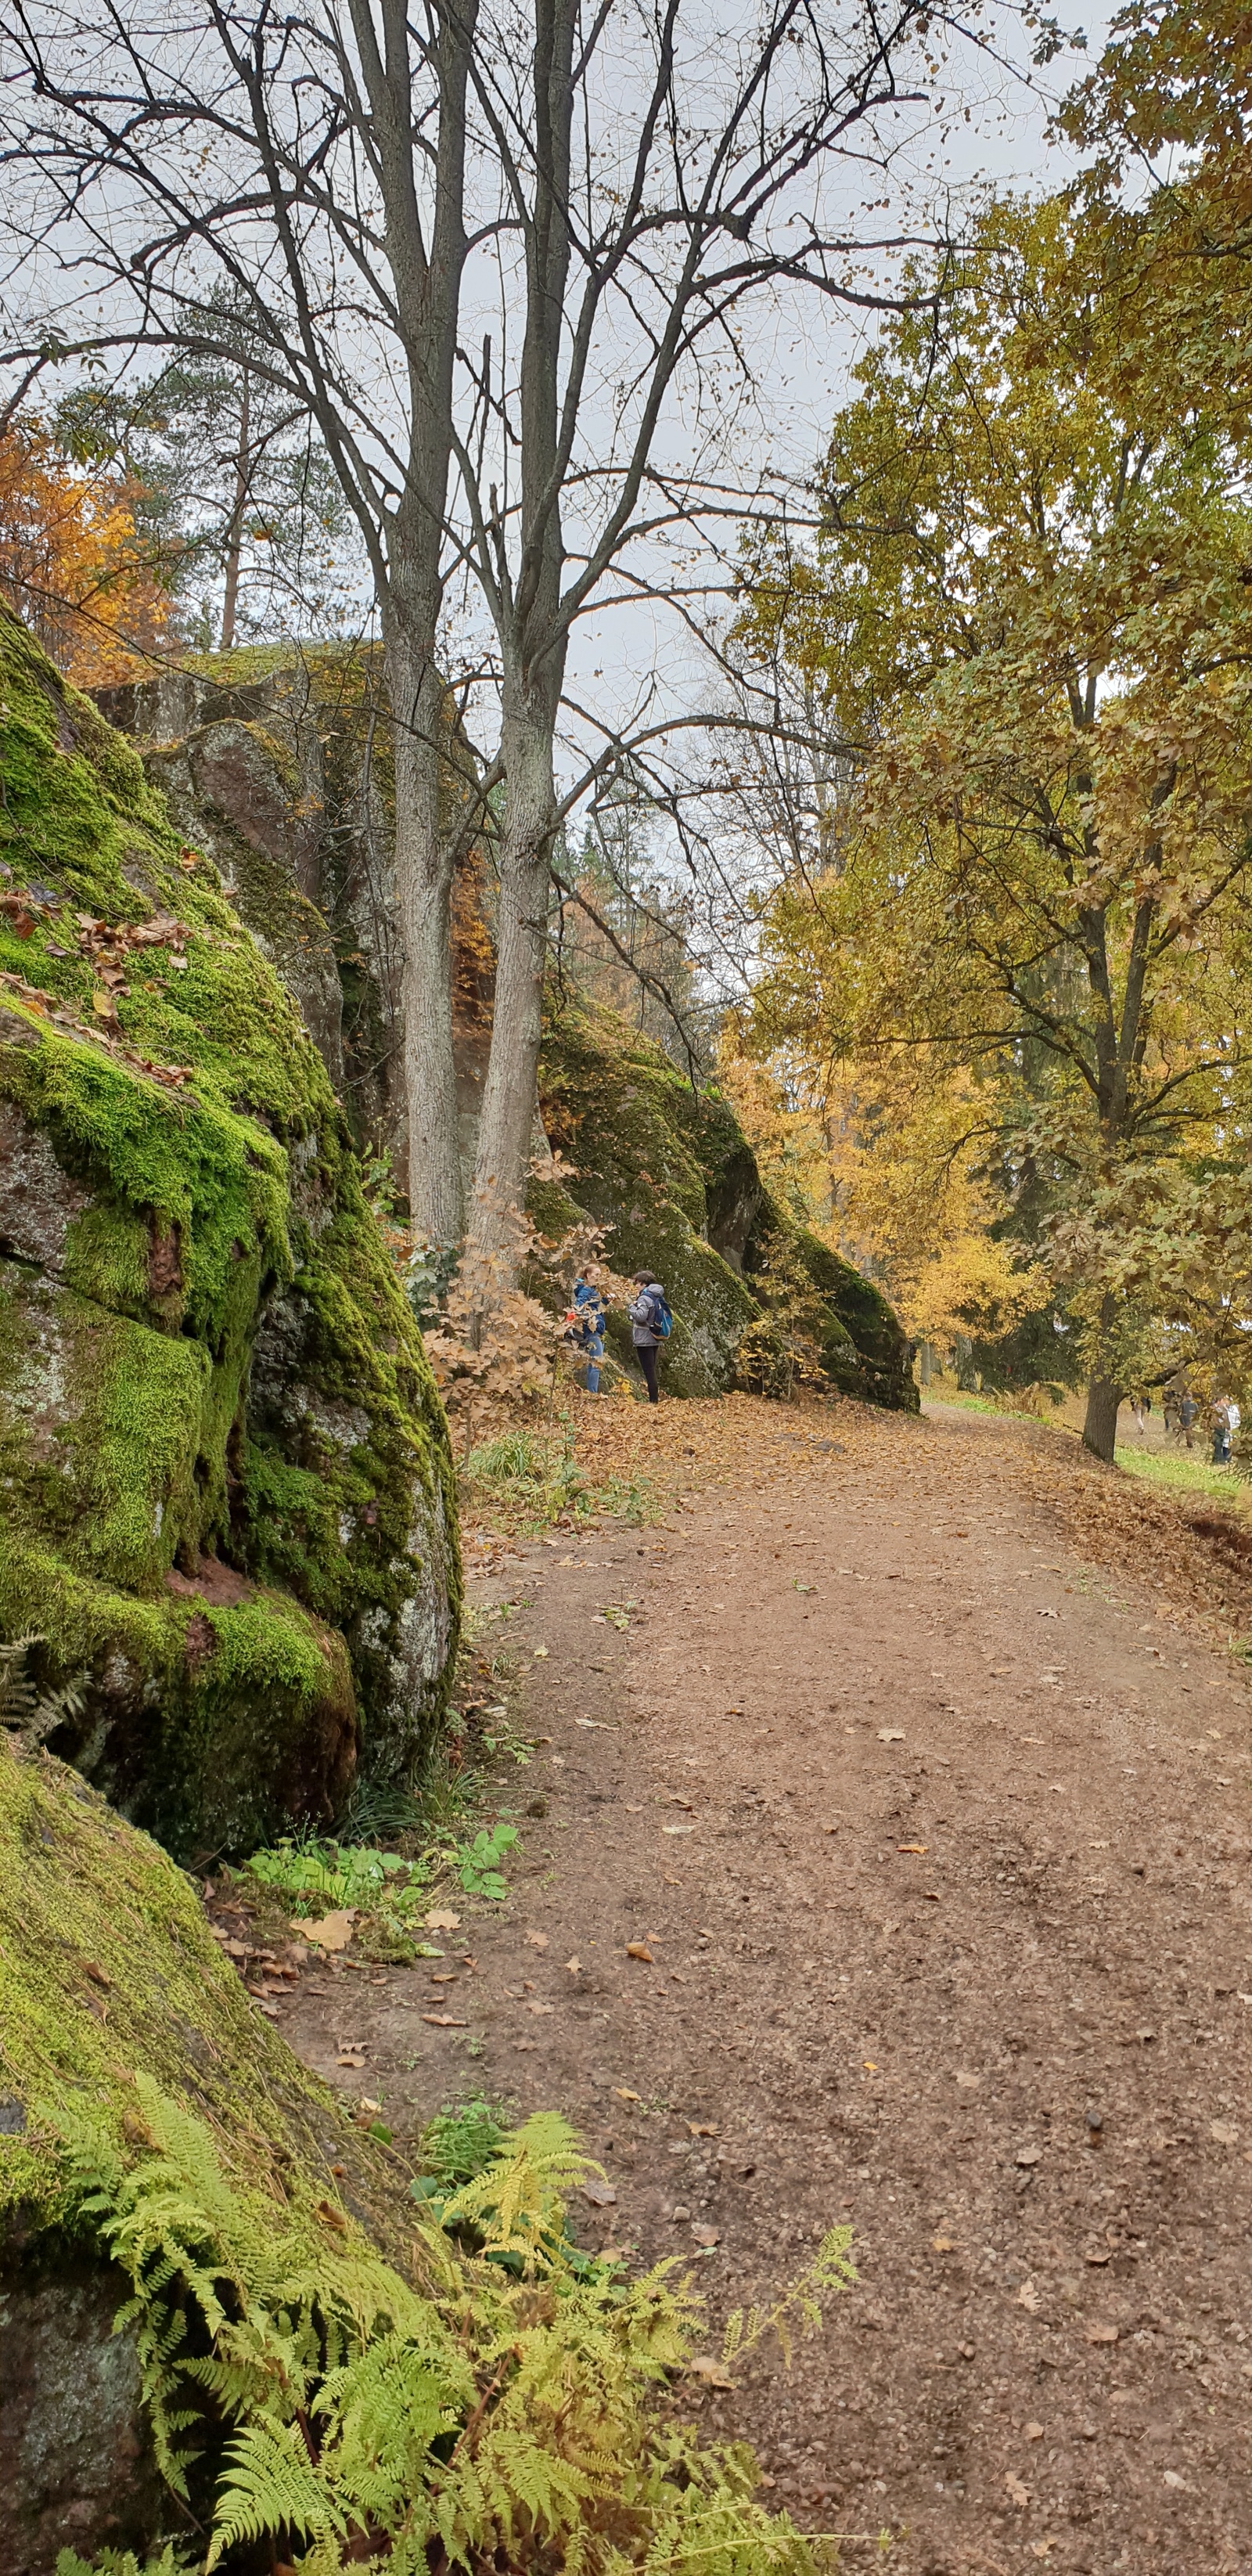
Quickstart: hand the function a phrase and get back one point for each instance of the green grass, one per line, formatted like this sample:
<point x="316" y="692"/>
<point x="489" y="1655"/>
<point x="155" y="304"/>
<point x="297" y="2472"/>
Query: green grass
<point x="1176" y="1469"/>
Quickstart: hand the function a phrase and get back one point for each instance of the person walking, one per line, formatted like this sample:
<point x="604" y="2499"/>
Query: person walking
<point x="1221" y="1433"/>
<point x="649" y="1327"/>
<point x="1187" y="1413"/>
<point x="585" y="1327"/>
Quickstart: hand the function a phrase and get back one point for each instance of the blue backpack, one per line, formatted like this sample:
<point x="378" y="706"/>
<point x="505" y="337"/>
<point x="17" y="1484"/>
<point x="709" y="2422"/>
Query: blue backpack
<point x="662" y="1320"/>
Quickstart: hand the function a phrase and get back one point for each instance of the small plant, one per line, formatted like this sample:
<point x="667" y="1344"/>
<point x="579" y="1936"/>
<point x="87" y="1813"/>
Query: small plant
<point x="477" y="1864"/>
<point x="313" y="1876"/>
<point x="460" y="2142"/>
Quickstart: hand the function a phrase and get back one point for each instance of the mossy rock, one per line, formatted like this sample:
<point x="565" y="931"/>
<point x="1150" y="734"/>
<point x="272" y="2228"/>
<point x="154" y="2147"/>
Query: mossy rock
<point x="228" y="1501"/>
<point x="110" y="1979"/>
<point x="669" y="1173"/>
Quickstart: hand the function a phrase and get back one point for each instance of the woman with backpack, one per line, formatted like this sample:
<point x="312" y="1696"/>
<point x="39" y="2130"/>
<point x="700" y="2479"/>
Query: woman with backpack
<point x="650" y="1324"/>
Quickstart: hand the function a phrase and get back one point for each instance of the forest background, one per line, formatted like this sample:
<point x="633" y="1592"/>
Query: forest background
<point x="938" y="868"/>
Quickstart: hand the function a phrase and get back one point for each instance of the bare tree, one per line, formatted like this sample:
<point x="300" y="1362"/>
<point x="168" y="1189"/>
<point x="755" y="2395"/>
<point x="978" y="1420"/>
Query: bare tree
<point x="654" y="178"/>
<point x="522" y="241"/>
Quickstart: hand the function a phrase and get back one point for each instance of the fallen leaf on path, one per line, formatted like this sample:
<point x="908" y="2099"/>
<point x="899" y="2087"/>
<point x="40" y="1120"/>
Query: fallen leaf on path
<point x="891" y="1735"/>
<point x="1099" y="2258"/>
<point x="1172" y="2478"/>
<point x="706" y="2235"/>
<point x="333" y="1932"/>
<point x="540" y="1654"/>
<point x="600" y="2194"/>
<point x="1224" y="2132"/>
<point x="443" y="2021"/>
<point x="574" y="1966"/>
<point x="1102" y="2334"/>
<point x="1028" y="2298"/>
<point x="438" y="1922"/>
<point x="1019" y="2493"/>
<point x="943" y="2244"/>
<point x="1033" y="2432"/>
<point x="539" y="2008"/>
<point x="1028" y="2156"/>
<point x="537" y="1940"/>
<point x="639" y="1950"/>
<point x="702" y="2129"/>
<point x="352" y="2054"/>
<point x="678" y="1829"/>
<point x="912" y="1847"/>
<point x="706" y="2366"/>
<point x="624" y="2094"/>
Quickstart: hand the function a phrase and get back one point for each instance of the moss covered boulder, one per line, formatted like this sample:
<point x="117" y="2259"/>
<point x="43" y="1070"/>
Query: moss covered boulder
<point x="225" y="1486"/>
<point x="112" y="1990"/>
<point x="670" y="1174"/>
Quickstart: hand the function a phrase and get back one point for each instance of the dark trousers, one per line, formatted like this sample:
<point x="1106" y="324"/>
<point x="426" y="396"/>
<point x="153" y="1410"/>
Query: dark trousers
<point x="645" y="1353"/>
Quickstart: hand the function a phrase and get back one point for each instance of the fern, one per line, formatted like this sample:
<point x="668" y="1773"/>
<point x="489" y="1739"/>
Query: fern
<point x="25" y="1711"/>
<point x="506" y="2418"/>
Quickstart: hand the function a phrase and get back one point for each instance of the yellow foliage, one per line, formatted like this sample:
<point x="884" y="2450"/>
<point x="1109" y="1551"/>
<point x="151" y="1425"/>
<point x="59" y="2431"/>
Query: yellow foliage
<point x="74" y="564"/>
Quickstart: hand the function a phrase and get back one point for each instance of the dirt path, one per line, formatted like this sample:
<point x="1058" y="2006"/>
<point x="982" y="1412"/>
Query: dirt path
<point x="938" y="1842"/>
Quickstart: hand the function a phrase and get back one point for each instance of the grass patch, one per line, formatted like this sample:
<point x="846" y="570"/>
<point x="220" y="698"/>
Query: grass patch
<point x="1180" y="1472"/>
<point x="527" y="1480"/>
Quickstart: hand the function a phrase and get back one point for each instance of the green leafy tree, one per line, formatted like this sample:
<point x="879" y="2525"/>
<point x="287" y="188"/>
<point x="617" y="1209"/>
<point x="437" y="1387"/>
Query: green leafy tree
<point x="1030" y="618"/>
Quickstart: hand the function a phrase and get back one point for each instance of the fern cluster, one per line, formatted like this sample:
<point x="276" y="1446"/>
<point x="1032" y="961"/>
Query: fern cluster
<point x="503" y="2419"/>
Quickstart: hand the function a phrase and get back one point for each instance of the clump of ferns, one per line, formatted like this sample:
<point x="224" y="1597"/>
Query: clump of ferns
<point x="502" y="2418"/>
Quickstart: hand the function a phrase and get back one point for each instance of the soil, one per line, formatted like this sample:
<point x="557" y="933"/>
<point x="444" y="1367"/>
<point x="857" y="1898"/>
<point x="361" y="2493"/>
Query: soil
<point x="892" y="1870"/>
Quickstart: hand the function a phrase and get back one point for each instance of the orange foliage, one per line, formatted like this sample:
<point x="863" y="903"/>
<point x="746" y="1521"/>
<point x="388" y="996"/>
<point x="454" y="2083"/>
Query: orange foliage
<point x="73" y="563"/>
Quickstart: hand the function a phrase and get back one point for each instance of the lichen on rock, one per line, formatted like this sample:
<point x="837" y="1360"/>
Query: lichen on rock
<point x="227" y="1496"/>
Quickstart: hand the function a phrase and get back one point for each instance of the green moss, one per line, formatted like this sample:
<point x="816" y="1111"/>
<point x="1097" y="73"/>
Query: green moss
<point x="223" y="1306"/>
<point x="81" y="1891"/>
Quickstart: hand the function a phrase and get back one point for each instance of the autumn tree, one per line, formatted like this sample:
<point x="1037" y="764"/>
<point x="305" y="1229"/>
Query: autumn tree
<point x="77" y="560"/>
<point x="1030" y="616"/>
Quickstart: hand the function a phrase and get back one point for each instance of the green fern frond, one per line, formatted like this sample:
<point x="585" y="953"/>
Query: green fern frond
<point x="271" y="2485"/>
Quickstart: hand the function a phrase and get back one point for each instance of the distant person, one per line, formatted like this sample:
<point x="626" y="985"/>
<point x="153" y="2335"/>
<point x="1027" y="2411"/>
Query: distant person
<point x="585" y="1328"/>
<point x="1140" y="1410"/>
<point x="1188" y="1412"/>
<point x="1169" y="1408"/>
<point x="1226" y="1421"/>
<point x="650" y="1325"/>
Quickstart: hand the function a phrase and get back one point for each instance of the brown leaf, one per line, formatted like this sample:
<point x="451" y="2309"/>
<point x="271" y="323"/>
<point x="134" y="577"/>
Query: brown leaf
<point x="1020" y="2494"/>
<point x="333" y="2217"/>
<point x="639" y="1950"/>
<point x="537" y="1940"/>
<point x="442" y="2021"/>
<point x="912" y="1847"/>
<point x="1102" y="2334"/>
<point x="439" y="1922"/>
<point x="601" y="2194"/>
<point x="706" y="2366"/>
<point x="707" y="2235"/>
<point x="92" y="1969"/>
<point x="331" y="1932"/>
<point x="624" y="2093"/>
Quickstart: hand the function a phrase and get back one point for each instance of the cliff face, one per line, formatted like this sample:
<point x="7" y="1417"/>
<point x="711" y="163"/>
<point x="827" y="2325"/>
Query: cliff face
<point x="227" y="1502"/>
<point x="673" y="1179"/>
<point x="279" y="765"/>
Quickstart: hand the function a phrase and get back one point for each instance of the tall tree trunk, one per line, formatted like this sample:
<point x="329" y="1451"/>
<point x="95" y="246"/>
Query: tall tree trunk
<point x="511" y="1088"/>
<point x="1099" y="1430"/>
<point x="234" y="536"/>
<point x="425" y="850"/>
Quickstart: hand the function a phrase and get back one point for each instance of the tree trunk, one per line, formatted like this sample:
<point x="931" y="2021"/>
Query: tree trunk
<point x="510" y="1090"/>
<point x="234" y="540"/>
<point x="1099" y="1431"/>
<point x="426" y="835"/>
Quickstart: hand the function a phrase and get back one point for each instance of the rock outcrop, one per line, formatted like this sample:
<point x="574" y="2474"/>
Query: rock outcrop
<point x="670" y="1175"/>
<point x="278" y="763"/>
<point x="227" y="1506"/>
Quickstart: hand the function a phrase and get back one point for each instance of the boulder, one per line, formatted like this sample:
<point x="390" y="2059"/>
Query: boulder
<point x="110" y="1985"/>
<point x="228" y="1503"/>
<point x="672" y="1178"/>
